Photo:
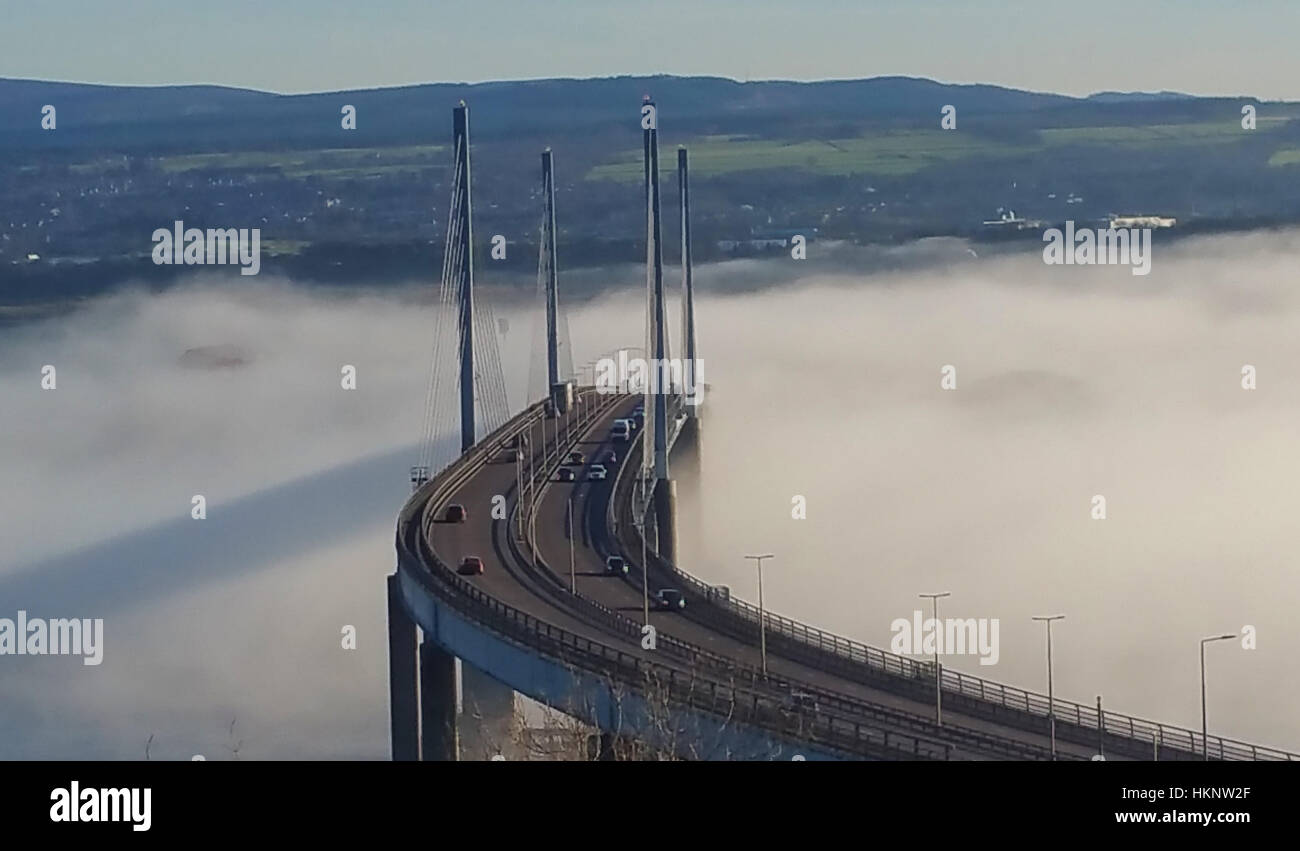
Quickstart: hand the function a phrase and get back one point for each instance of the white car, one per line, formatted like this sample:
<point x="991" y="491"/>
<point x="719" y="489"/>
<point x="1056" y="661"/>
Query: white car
<point x="596" y="473"/>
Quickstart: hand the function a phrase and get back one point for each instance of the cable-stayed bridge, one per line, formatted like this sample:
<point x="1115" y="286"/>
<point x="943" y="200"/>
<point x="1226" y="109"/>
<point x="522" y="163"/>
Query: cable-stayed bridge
<point x="551" y="617"/>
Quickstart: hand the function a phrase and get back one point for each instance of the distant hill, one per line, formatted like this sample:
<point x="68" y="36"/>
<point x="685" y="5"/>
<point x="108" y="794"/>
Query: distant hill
<point x="184" y="117"/>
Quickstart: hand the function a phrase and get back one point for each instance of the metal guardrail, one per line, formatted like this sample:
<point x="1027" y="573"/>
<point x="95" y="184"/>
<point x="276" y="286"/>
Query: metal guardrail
<point x="1164" y="739"/>
<point x="718" y="699"/>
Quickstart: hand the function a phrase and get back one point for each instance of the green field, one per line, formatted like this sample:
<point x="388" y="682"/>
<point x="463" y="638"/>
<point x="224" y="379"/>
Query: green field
<point x="1156" y="135"/>
<point x="902" y="152"/>
<point x="283" y="247"/>
<point x="1285" y="156"/>
<point x="895" y="152"/>
<point x="329" y="162"/>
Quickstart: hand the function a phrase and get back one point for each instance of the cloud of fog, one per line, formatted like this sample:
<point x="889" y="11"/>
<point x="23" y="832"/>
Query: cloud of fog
<point x="1071" y="382"/>
<point x="824" y="383"/>
<point x="232" y="392"/>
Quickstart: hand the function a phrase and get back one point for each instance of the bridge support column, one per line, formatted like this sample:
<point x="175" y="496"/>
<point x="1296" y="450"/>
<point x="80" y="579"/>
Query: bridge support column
<point x="489" y="717"/>
<point x="665" y="506"/>
<point x="600" y="746"/>
<point x="439" y="686"/>
<point x="402" y="694"/>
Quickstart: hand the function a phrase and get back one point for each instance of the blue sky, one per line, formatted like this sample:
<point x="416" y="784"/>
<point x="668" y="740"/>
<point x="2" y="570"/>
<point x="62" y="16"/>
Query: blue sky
<point x="320" y="45"/>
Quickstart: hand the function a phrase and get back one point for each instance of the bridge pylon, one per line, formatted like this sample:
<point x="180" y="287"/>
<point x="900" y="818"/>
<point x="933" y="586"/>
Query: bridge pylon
<point x="465" y="289"/>
<point x="657" y="343"/>
<point x="429" y="687"/>
<point x="689" y="352"/>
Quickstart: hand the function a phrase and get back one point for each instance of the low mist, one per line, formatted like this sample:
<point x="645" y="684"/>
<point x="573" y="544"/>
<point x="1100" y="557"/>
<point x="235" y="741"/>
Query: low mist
<point x="824" y="383"/>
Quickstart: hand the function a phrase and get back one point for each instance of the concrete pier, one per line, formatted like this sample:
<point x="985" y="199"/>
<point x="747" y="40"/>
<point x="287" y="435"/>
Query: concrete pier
<point x="665" y="511"/>
<point x="489" y="717"/>
<point x="403" y="701"/>
<point x="439" y="699"/>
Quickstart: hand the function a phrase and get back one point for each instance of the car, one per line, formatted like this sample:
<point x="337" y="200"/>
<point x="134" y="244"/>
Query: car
<point x="610" y="457"/>
<point x="470" y="566"/>
<point x="596" y="473"/>
<point x="456" y="513"/>
<point x="802" y="702"/>
<point x="575" y="459"/>
<point x="669" y="598"/>
<point x="622" y="430"/>
<point x="564" y="474"/>
<point x="615" y="564"/>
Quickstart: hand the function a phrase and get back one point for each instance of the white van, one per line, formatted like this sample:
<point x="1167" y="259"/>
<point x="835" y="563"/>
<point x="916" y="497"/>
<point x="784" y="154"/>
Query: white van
<point x="622" y="430"/>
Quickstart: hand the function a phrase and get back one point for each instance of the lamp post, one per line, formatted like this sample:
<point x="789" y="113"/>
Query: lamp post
<point x="519" y="482"/>
<point x="573" y="576"/>
<point x="938" y="635"/>
<point x="1205" y="723"/>
<point x="762" y="616"/>
<point x="1051" y="703"/>
<point x="638" y="520"/>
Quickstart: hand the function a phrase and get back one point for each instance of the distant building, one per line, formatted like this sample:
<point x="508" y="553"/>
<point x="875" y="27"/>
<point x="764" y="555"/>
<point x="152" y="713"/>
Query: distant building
<point x="1141" y="221"/>
<point x="1010" y="221"/>
<point x="763" y="239"/>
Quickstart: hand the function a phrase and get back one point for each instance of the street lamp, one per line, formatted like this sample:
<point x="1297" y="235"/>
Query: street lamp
<point x="638" y="520"/>
<point x="1205" y="724"/>
<point x="519" y="481"/>
<point x="938" y="634"/>
<point x="568" y="520"/>
<point x="762" y="618"/>
<point x="1051" y="703"/>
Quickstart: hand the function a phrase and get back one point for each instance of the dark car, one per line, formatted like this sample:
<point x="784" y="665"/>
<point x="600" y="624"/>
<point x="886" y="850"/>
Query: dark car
<point x="669" y="598"/>
<point x="456" y="513"/>
<point x="801" y="702"/>
<point x="610" y="457"/>
<point x="564" y="474"/>
<point x="470" y="566"/>
<point x="575" y="458"/>
<point x="615" y="564"/>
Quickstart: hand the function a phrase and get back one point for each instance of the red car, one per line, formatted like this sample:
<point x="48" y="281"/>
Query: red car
<point x="456" y="513"/>
<point x="470" y="566"/>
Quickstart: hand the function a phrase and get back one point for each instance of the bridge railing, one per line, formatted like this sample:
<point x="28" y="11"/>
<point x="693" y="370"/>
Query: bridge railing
<point x="717" y="698"/>
<point x="1166" y="740"/>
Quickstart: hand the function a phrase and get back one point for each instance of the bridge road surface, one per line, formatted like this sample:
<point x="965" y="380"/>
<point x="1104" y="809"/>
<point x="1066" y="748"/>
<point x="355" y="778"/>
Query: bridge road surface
<point x="625" y="595"/>
<point x="518" y="585"/>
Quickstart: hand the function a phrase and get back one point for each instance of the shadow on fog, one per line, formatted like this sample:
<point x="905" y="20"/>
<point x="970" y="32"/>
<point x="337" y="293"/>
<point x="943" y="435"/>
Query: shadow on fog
<point x="253" y="532"/>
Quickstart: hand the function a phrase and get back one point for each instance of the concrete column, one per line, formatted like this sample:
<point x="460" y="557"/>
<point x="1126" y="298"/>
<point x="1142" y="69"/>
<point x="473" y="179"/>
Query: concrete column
<point x="402" y="694"/>
<point x="665" y="507"/>
<point x="488" y="718"/>
<point x="600" y="746"/>
<point x="439" y="681"/>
